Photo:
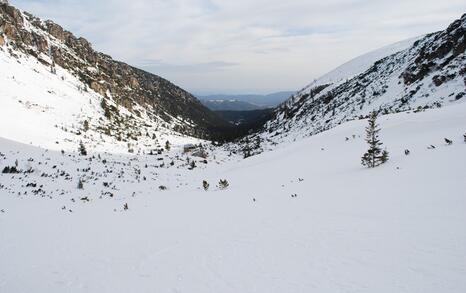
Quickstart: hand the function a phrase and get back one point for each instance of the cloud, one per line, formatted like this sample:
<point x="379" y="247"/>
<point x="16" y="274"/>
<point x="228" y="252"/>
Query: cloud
<point x="260" y="45"/>
<point x="160" y="66"/>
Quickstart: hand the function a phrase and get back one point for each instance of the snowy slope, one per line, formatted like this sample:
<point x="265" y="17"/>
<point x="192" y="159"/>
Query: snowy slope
<point x="396" y="228"/>
<point x="49" y="110"/>
<point x="360" y="64"/>
<point x="425" y="72"/>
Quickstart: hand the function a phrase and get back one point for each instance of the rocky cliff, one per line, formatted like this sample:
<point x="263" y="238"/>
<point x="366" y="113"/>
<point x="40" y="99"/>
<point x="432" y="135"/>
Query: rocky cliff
<point x="132" y="88"/>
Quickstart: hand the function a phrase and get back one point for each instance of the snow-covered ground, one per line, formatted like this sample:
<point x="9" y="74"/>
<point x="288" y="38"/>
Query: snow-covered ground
<point x="396" y="228"/>
<point x="49" y="110"/>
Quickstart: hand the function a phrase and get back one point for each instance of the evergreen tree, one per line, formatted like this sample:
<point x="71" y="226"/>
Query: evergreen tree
<point x="53" y="70"/>
<point x="167" y="145"/>
<point x="82" y="149"/>
<point x="106" y="108"/>
<point x="374" y="156"/>
<point x="246" y="152"/>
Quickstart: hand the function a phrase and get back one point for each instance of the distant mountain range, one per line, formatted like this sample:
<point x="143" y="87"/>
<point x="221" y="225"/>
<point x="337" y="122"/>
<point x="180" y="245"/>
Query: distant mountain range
<point x="230" y="105"/>
<point x="246" y="102"/>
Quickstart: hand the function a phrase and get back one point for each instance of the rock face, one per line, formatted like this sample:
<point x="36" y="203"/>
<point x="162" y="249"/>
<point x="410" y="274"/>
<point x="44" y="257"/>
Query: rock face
<point x="121" y="82"/>
<point x="438" y="54"/>
<point x="428" y="73"/>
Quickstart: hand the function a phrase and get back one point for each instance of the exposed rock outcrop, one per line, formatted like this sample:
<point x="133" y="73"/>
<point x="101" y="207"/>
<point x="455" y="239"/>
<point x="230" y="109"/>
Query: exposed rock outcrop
<point x="125" y="84"/>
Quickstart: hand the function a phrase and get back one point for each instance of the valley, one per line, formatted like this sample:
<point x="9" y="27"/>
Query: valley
<point x="114" y="179"/>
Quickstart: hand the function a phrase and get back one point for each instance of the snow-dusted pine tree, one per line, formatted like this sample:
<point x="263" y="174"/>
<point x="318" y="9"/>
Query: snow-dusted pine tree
<point x="374" y="156"/>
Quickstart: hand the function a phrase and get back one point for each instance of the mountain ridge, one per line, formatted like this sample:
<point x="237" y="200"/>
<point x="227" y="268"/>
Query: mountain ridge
<point x="413" y="75"/>
<point x="230" y="105"/>
<point x="263" y="101"/>
<point x="114" y="81"/>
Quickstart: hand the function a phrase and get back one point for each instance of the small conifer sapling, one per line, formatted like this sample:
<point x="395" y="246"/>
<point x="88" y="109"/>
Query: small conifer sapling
<point x="374" y="156"/>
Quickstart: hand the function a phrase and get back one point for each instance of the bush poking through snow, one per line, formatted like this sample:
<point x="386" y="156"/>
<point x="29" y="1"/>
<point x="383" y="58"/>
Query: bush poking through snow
<point x="205" y="185"/>
<point x="374" y="156"/>
<point x="223" y="184"/>
<point x="80" y="184"/>
<point x="10" y="170"/>
<point x="192" y="165"/>
<point x="448" y="141"/>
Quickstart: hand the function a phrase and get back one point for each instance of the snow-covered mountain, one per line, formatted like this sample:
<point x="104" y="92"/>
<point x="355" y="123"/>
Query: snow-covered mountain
<point x="56" y="91"/>
<point x="420" y="73"/>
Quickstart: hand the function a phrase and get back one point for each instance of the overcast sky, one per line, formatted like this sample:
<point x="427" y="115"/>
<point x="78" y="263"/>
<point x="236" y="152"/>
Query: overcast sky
<point x="243" y="46"/>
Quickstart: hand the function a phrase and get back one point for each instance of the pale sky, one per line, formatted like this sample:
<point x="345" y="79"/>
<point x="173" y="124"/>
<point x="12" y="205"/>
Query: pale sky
<point x="243" y="46"/>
